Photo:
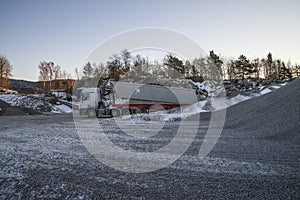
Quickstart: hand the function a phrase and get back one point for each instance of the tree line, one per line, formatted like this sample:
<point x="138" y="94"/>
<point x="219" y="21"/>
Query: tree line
<point x="127" y="65"/>
<point x="211" y="67"/>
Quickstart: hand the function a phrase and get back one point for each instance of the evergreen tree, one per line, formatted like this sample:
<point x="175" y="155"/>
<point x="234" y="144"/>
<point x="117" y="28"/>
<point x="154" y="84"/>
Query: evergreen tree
<point x="216" y="69"/>
<point x="126" y="60"/>
<point x="256" y="67"/>
<point x="88" y="70"/>
<point x="269" y="63"/>
<point x="175" y="64"/>
<point x="114" y="67"/>
<point x="140" y="67"/>
<point x="296" y="70"/>
<point x="284" y="72"/>
<point x="242" y="67"/>
<point x="188" y="69"/>
<point x="271" y="70"/>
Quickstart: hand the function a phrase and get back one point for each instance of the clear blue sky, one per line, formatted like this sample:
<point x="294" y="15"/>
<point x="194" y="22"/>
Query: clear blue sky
<point x="66" y="31"/>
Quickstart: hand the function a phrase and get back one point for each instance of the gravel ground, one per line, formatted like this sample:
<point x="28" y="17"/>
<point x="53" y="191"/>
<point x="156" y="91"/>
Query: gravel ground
<point x="257" y="156"/>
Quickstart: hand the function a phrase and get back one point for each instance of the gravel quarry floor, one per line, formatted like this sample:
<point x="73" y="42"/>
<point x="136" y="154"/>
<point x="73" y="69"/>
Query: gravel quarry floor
<point x="44" y="158"/>
<point x="257" y="156"/>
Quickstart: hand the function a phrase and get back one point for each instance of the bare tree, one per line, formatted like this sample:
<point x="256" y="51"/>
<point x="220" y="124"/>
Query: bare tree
<point x="77" y="73"/>
<point x="56" y="71"/>
<point x="5" y="71"/>
<point x="43" y="73"/>
<point x="50" y="66"/>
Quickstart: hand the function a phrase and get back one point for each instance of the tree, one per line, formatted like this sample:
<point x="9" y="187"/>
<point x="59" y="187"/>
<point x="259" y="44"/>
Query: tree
<point x="216" y="68"/>
<point x="56" y="75"/>
<point x="242" y="67"/>
<point x="125" y="60"/>
<point x="256" y="67"/>
<point x="50" y="68"/>
<point x="77" y="74"/>
<point x="296" y="70"/>
<point x="43" y="73"/>
<point x="230" y="69"/>
<point x="114" y="67"/>
<point x="194" y="70"/>
<point x="270" y="68"/>
<point x="99" y="70"/>
<point x="157" y="69"/>
<point x="5" y="72"/>
<point x="188" y="69"/>
<point x="138" y="66"/>
<point x="283" y="71"/>
<point x="88" y="71"/>
<point x="57" y="72"/>
<point x="175" y="64"/>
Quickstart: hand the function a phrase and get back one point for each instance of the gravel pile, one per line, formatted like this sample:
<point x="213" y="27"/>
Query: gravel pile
<point x="8" y="110"/>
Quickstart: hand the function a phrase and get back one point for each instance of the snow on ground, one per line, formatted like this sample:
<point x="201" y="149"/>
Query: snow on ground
<point x="265" y="91"/>
<point x="59" y="94"/>
<point x="28" y="101"/>
<point x="35" y="102"/>
<point x="61" y="109"/>
<point x="213" y="88"/>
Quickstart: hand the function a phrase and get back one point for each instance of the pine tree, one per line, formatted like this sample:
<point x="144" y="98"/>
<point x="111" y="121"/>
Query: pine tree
<point x="284" y="72"/>
<point x="175" y="64"/>
<point x="88" y="70"/>
<point x="242" y="67"/>
<point x="296" y="70"/>
<point x="126" y="60"/>
<point x="216" y="69"/>
<point x="114" y="67"/>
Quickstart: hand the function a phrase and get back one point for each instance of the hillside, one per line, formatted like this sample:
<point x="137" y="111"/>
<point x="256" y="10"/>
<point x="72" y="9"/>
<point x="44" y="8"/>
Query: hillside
<point x="23" y="86"/>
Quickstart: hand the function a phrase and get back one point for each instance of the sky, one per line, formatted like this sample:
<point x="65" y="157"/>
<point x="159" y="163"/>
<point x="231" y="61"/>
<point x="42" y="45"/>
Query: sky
<point x="67" y="31"/>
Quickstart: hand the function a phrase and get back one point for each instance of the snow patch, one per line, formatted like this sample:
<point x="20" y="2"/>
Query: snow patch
<point x="265" y="91"/>
<point x="213" y="88"/>
<point x="61" y="109"/>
